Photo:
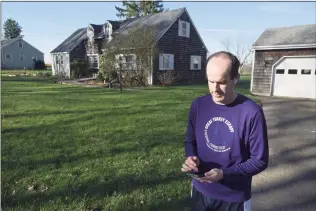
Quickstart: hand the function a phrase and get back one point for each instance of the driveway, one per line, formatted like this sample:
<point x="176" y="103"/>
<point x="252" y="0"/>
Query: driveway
<point x="289" y="183"/>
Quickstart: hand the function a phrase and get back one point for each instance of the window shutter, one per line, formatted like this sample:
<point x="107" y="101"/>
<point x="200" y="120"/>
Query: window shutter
<point x="200" y="62"/>
<point x="188" y="29"/>
<point x="134" y="64"/>
<point x="160" y="62"/>
<point x="124" y="65"/>
<point x="123" y="58"/>
<point x="117" y="56"/>
<point x="179" y="28"/>
<point x="171" y="62"/>
<point x="191" y="63"/>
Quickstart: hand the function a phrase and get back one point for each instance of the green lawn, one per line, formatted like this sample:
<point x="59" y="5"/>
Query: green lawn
<point x="21" y="72"/>
<point x="75" y="148"/>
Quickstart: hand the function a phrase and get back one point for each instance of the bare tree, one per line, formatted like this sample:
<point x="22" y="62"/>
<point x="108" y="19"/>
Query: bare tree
<point x="130" y="56"/>
<point x="240" y="51"/>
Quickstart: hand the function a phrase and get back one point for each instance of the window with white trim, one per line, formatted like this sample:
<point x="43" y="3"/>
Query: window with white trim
<point x="306" y="71"/>
<point x="61" y="60"/>
<point x="195" y="63"/>
<point x="8" y="58"/>
<point x="21" y="57"/>
<point x="184" y="29"/>
<point x="93" y="60"/>
<point x="292" y="71"/>
<point x="129" y="61"/>
<point x="90" y="33"/>
<point x="279" y="71"/>
<point x="108" y="31"/>
<point x="166" y="62"/>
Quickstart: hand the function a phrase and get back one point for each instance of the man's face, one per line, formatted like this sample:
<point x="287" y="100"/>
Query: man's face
<point x="219" y="82"/>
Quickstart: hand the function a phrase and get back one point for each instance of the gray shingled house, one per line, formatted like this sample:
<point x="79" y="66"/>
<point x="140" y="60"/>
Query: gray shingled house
<point x="180" y="46"/>
<point x="284" y="62"/>
<point x="18" y="54"/>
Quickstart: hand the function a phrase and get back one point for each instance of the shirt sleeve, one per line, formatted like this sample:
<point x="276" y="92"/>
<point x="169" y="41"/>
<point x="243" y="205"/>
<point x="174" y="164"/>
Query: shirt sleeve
<point x="190" y="138"/>
<point x="259" y="150"/>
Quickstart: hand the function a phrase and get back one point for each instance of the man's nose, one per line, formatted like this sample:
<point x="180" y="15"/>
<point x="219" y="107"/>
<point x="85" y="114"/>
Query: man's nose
<point x="215" y="86"/>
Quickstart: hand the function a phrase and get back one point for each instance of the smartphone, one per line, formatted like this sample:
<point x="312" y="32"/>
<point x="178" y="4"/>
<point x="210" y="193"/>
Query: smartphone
<point x="196" y="174"/>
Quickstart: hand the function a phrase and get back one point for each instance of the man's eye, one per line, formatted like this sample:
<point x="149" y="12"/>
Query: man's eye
<point x="222" y="82"/>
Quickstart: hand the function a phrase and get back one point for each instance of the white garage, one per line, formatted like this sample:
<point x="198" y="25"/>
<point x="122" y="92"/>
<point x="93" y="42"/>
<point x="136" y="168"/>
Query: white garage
<point x="284" y="62"/>
<point x="294" y="77"/>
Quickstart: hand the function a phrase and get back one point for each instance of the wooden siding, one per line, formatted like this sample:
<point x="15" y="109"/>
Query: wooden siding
<point x="182" y="48"/>
<point x="61" y="68"/>
<point x="79" y="52"/>
<point x="84" y="48"/>
<point x="14" y="50"/>
<point x="262" y="73"/>
<point x="94" y="46"/>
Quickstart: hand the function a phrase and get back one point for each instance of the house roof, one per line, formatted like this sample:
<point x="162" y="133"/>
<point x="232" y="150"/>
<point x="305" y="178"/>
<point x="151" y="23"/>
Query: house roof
<point x="5" y="43"/>
<point x="97" y="28"/>
<point x="115" y="24"/>
<point x="100" y="35"/>
<point x="160" y="21"/>
<point x="72" y="41"/>
<point x="80" y="34"/>
<point x="287" y="36"/>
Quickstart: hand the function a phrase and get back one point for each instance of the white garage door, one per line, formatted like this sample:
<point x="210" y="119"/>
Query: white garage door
<point x="295" y="77"/>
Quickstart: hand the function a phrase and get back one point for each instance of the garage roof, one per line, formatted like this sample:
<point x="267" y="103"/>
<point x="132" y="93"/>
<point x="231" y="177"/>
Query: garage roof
<point x="304" y="35"/>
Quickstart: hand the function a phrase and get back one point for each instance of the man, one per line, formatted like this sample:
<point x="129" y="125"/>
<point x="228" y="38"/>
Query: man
<point x="226" y="140"/>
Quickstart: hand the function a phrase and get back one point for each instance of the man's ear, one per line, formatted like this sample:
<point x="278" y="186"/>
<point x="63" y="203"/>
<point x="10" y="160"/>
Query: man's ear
<point x="236" y="79"/>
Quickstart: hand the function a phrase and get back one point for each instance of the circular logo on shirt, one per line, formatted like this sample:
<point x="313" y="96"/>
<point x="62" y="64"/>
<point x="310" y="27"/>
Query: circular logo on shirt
<point x="218" y="133"/>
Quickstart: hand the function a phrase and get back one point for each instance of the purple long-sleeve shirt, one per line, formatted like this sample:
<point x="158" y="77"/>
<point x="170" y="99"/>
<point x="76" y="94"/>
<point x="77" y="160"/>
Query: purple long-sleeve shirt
<point x="229" y="137"/>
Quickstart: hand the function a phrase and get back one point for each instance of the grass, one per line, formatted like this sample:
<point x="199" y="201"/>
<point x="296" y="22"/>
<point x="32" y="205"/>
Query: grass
<point x="31" y="72"/>
<point x="75" y="148"/>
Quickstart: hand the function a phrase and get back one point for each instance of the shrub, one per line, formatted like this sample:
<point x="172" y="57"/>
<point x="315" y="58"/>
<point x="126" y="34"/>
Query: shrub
<point x="39" y="65"/>
<point x="100" y="77"/>
<point x="167" y="77"/>
<point x="135" y="63"/>
<point x="47" y="74"/>
<point x="79" y="68"/>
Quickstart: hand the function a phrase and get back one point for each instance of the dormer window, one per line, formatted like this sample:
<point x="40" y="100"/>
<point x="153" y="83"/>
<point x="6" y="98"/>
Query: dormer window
<point x="90" y="33"/>
<point x="108" y="31"/>
<point x="184" y="29"/>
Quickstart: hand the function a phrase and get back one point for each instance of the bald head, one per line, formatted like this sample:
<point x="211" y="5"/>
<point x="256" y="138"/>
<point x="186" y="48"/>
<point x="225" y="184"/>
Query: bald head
<point x="233" y="62"/>
<point x="222" y="74"/>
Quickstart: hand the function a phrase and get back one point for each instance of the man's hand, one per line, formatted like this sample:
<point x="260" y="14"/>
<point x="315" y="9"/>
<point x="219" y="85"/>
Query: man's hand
<point x="191" y="164"/>
<point x="212" y="176"/>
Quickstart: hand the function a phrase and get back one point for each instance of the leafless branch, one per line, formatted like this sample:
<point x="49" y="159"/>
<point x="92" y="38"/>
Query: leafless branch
<point x="240" y="51"/>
